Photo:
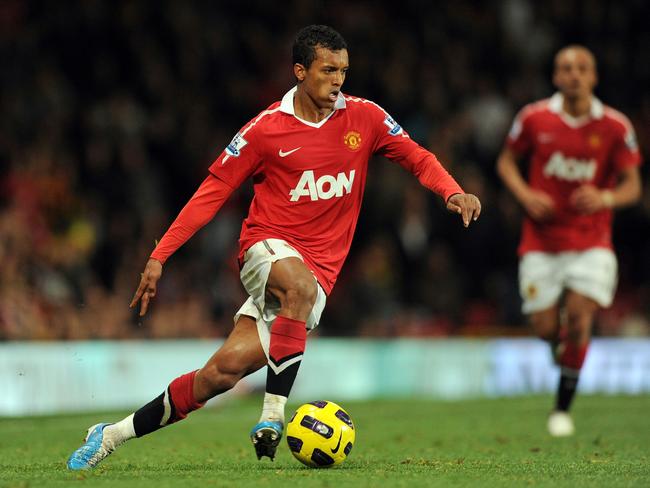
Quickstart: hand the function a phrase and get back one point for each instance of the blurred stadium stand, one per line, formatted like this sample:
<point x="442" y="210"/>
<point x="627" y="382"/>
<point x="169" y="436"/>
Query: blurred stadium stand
<point x="111" y="112"/>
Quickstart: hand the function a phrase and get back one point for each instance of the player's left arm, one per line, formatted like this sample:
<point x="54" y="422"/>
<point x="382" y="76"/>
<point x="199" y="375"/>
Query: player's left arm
<point x="432" y="175"/>
<point x="394" y="143"/>
<point x="589" y="199"/>
<point x="626" y="159"/>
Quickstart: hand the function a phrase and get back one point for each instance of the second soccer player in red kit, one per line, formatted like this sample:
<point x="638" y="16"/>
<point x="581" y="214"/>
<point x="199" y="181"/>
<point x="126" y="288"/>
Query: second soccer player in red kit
<point x="308" y="157"/>
<point x="584" y="163"/>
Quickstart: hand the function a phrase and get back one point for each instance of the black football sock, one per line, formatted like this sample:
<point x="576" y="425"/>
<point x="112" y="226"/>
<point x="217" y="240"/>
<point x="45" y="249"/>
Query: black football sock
<point x="288" y="337"/>
<point x="171" y="406"/>
<point x="571" y="360"/>
<point x="566" y="389"/>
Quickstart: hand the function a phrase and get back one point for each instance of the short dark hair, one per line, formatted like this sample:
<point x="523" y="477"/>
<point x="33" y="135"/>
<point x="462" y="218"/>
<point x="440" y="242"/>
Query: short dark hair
<point x="312" y="36"/>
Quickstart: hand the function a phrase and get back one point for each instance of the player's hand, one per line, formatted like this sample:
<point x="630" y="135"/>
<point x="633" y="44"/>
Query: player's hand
<point x="465" y="204"/>
<point x="539" y="205"/>
<point x="588" y="199"/>
<point x="147" y="288"/>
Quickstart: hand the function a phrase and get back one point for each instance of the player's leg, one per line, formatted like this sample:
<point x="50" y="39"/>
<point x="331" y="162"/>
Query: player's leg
<point x="541" y="281"/>
<point x="581" y="312"/>
<point x="572" y="351"/>
<point x="546" y="324"/>
<point x="292" y="286"/>
<point x="591" y="278"/>
<point x="240" y="355"/>
<point x="287" y="301"/>
<point x="540" y="286"/>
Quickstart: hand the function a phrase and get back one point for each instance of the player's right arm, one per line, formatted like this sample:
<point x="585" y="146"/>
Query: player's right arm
<point x="198" y="211"/>
<point x="235" y="164"/>
<point x="538" y="204"/>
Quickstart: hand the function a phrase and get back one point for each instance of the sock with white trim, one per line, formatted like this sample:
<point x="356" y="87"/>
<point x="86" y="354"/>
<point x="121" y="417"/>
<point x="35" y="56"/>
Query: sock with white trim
<point x="174" y="404"/>
<point x="288" y="339"/>
<point x="571" y="360"/>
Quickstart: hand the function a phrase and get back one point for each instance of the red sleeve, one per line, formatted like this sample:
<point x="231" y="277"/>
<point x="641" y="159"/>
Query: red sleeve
<point x="394" y="143"/>
<point x="430" y="172"/>
<point x="242" y="157"/>
<point x="519" y="138"/>
<point x="236" y="164"/>
<point x="201" y="208"/>
<point x="626" y="150"/>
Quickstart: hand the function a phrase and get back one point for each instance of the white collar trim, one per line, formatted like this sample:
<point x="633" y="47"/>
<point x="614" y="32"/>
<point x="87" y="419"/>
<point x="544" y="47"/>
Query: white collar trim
<point x="596" y="110"/>
<point x="286" y="106"/>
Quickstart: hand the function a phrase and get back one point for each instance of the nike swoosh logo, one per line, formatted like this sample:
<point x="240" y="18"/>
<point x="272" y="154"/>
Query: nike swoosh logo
<point x="335" y="450"/>
<point x="283" y="154"/>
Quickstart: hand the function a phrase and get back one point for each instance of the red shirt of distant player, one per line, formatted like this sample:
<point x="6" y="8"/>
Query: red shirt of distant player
<point x="309" y="178"/>
<point x="566" y="152"/>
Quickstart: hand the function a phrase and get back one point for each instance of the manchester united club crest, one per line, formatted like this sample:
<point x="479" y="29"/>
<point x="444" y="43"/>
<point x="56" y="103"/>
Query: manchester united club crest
<point x="594" y="141"/>
<point x="352" y="140"/>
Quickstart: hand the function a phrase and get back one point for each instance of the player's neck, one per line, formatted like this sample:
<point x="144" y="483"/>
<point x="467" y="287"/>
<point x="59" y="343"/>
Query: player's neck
<point x="577" y="107"/>
<point x="305" y="108"/>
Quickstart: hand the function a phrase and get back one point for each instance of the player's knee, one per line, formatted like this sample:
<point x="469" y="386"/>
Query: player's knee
<point x="576" y="318"/>
<point x="580" y="316"/>
<point x="547" y="335"/>
<point x="224" y="372"/>
<point x="543" y="327"/>
<point x="214" y="381"/>
<point x="302" y="294"/>
<point x="579" y="325"/>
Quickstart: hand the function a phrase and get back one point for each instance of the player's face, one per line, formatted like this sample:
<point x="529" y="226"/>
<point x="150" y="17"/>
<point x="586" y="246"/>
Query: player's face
<point x="575" y="73"/>
<point x="323" y="80"/>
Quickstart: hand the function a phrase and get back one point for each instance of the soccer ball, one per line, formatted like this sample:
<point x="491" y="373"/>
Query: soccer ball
<point x="320" y="434"/>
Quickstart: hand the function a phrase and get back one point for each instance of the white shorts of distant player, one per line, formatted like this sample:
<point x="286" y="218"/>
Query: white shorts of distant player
<point x="254" y="275"/>
<point x="543" y="277"/>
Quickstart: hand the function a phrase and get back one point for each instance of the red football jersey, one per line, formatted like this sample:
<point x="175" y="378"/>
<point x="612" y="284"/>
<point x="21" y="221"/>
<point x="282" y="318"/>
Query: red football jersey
<point x="566" y="152"/>
<point x="309" y="177"/>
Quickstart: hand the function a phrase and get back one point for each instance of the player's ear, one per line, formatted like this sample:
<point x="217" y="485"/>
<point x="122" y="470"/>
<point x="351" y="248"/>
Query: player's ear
<point x="300" y="72"/>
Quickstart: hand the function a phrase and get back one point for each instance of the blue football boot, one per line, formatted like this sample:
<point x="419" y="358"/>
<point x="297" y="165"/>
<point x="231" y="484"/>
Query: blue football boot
<point x="95" y="449"/>
<point x="265" y="437"/>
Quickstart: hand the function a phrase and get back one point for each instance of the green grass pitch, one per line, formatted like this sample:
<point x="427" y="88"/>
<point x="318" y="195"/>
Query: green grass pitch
<point x="400" y="443"/>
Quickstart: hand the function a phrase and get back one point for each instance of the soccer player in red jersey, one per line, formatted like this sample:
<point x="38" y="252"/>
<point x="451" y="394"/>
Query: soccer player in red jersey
<point x="308" y="157"/>
<point x="583" y="164"/>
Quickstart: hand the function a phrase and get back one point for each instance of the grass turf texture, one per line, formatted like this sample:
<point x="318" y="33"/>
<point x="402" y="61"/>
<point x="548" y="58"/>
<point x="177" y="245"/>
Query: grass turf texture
<point x="400" y="443"/>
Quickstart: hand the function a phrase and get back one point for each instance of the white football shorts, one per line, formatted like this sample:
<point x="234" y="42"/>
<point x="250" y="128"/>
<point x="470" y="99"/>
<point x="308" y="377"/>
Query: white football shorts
<point x="254" y="275"/>
<point x="544" y="276"/>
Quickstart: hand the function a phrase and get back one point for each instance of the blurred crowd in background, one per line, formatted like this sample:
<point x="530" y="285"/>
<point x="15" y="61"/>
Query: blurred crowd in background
<point x="112" y="111"/>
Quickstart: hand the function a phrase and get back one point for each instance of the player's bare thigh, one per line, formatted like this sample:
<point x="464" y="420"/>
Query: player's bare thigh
<point x="581" y="311"/>
<point x="545" y="323"/>
<point x="240" y="355"/>
<point x="293" y="285"/>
